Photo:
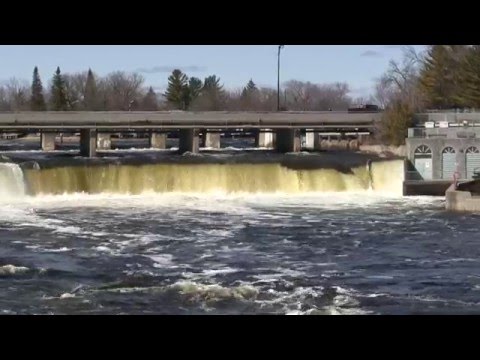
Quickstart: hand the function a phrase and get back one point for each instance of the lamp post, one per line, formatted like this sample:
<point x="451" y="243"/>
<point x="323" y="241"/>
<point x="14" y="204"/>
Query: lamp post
<point x="280" y="47"/>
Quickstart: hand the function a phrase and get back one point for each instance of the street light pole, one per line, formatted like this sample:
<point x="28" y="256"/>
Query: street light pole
<point x="280" y="47"/>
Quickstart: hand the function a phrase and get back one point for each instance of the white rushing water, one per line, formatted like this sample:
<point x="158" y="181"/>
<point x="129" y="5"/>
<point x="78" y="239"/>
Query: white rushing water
<point x="12" y="184"/>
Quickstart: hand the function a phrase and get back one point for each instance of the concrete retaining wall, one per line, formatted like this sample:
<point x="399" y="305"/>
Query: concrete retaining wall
<point x="461" y="201"/>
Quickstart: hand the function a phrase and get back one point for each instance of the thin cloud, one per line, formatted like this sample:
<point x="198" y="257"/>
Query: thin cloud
<point x="371" y="53"/>
<point x="168" y="69"/>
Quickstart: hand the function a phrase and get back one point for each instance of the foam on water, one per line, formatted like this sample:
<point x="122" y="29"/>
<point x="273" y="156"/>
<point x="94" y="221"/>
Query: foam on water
<point x="217" y="201"/>
<point x="162" y="260"/>
<point x="9" y="269"/>
<point x="195" y="292"/>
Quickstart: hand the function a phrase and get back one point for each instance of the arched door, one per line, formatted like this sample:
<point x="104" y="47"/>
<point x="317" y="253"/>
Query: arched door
<point x="448" y="163"/>
<point x="423" y="161"/>
<point x="472" y="160"/>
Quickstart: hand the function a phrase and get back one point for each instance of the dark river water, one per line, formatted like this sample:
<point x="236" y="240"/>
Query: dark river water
<point x="349" y="252"/>
<point x="173" y="254"/>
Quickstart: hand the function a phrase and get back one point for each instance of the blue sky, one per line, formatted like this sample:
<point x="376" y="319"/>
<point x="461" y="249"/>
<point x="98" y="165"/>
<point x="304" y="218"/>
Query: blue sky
<point x="358" y="65"/>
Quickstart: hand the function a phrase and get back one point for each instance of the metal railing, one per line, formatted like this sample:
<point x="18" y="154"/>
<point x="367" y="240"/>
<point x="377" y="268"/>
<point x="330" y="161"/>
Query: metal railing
<point x="451" y="132"/>
<point x="451" y="117"/>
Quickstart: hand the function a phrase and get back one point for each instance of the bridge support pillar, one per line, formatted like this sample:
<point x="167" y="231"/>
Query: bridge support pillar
<point x="88" y="142"/>
<point x="288" y="140"/>
<point x="48" y="141"/>
<point x="309" y="140"/>
<point x="211" y="139"/>
<point x="361" y="139"/>
<point x="104" y="141"/>
<point x="158" y="141"/>
<point x="264" y="139"/>
<point x="317" y="141"/>
<point x="188" y="141"/>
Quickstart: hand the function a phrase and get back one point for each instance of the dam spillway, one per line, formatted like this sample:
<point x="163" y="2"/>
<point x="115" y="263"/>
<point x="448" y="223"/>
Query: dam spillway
<point x="248" y="174"/>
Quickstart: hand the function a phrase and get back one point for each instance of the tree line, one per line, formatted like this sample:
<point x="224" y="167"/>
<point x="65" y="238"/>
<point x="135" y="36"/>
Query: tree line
<point x="443" y="77"/>
<point x="79" y="92"/>
<point x="122" y="91"/>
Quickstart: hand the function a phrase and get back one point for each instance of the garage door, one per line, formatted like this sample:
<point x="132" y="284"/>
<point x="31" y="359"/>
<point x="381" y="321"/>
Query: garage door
<point x="472" y="160"/>
<point x="448" y="163"/>
<point x="423" y="162"/>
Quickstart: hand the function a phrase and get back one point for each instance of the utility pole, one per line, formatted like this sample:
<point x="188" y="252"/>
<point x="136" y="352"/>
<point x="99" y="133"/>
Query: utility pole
<point x="280" y="47"/>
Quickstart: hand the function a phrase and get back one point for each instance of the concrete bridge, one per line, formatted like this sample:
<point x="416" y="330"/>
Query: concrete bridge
<point x="280" y="128"/>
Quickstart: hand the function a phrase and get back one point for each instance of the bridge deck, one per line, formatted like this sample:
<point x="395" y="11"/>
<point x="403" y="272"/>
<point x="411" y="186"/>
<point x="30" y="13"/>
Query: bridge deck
<point x="184" y="120"/>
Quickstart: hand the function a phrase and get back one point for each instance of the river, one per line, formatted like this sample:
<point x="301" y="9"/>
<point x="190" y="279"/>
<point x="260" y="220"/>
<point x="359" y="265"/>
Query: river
<point x="227" y="237"/>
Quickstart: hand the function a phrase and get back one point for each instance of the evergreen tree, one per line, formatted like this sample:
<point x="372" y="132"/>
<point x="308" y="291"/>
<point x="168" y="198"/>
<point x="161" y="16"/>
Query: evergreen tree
<point x="440" y="77"/>
<point x="177" y="90"/>
<point x="195" y="85"/>
<point x="211" y="83"/>
<point x="149" y="102"/>
<point x="250" y="89"/>
<point x="213" y="95"/>
<point x="192" y="91"/>
<point x="470" y="78"/>
<point x="37" y="101"/>
<point x="249" y="96"/>
<point x="59" y="94"/>
<point x="90" y="98"/>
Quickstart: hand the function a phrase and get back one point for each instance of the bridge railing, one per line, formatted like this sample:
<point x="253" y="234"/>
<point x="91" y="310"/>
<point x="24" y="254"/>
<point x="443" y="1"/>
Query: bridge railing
<point x="451" y="117"/>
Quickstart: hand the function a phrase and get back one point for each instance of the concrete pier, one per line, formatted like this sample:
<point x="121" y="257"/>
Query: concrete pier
<point x="88" y="143"/>
<point x="188" y="141"/>
<point x="288" y="140"/>
<point x="48" y="141"/>
<point x="158" y="141"/>
<point x="104" y="141"/>
<point x="317" y="141"/>
<point x="264" y="139"/>
<point x="211" y="140"/>
<point x="463" y="197"/>
<point x="461" y="201"/>
<point x="309" y="140"/>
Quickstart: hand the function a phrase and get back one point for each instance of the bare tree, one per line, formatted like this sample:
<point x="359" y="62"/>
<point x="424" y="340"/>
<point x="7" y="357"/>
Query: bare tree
<point x="263" y="99"/>
<point x="75" y="86"/>
<point x="400" y="81"/>
<point x="123" y="90"/>
<point x="332" y="97"/>
<point x="17" y="94"/>
<point x="268" y="99"/>
<point x="384" y="91"/>
<point x="4" y="102"/>
<point x="299" y="94"/>
<point x="397" y="90"/>
<point x="233" y="100"/>
<point x="307" y="96"/>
